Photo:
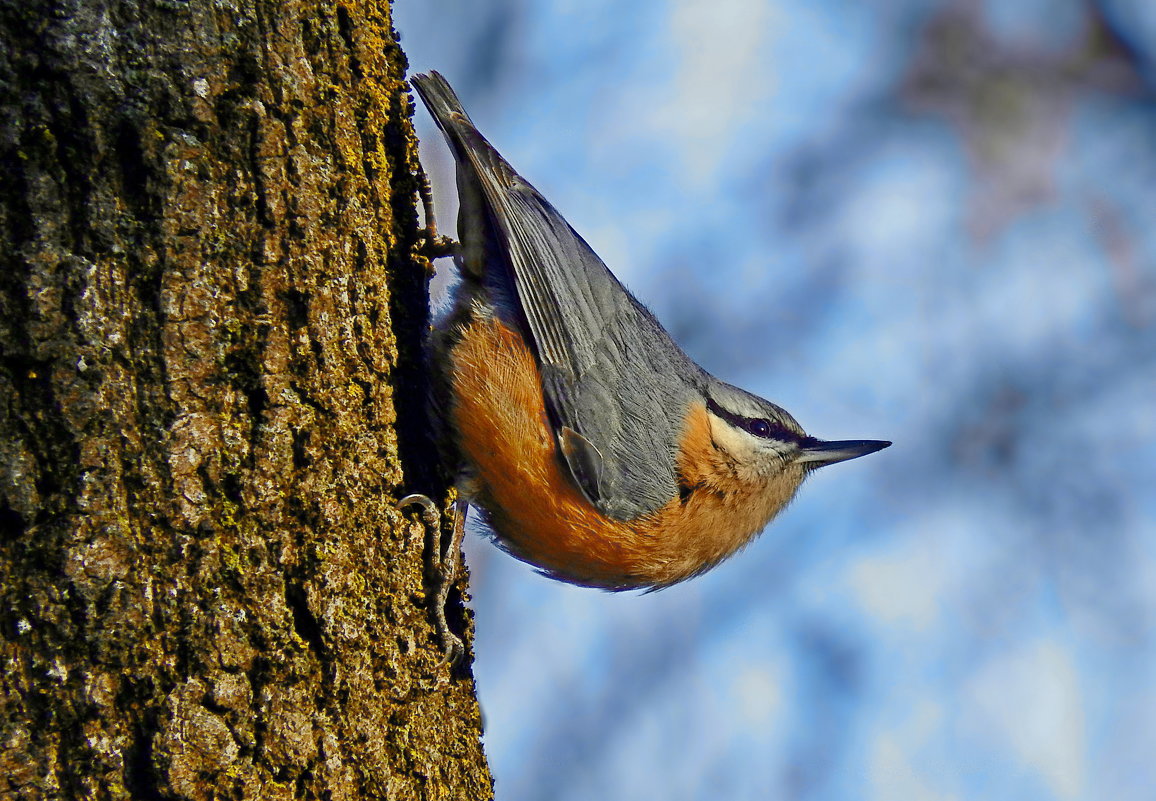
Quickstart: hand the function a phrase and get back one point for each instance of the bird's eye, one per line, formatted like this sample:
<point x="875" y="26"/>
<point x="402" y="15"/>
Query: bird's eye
<point x="760" y="428"/>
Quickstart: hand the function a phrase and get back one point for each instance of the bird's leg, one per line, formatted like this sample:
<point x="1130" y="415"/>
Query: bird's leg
<point x="447" y="573"/>
<point x="443" y="565"/>
<point x="433" y="245"/>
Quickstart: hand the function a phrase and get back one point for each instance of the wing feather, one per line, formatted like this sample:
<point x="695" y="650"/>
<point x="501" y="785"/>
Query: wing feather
<point x="611" y="375"/>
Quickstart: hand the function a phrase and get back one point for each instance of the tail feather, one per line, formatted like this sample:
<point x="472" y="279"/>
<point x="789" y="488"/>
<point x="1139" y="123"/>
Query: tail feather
<point x="468" y="144"/>
<point x="482" y="175"/>
<point x="441" y="100"/>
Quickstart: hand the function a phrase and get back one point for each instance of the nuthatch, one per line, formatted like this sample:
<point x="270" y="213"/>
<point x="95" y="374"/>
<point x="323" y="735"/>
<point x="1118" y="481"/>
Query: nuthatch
<point x="599" y="452"/>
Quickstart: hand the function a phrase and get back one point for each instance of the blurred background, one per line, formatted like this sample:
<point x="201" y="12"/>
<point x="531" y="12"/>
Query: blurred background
<point x="929" y="221"/>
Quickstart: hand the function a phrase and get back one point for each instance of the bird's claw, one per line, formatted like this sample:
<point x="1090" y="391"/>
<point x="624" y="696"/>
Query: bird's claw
<point x="444" y="568"/>
<point x="433" y="245"/>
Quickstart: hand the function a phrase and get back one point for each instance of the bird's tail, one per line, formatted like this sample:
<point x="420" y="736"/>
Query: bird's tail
<point x="484" y="177"/>
<point x="468" y="144"/>
<point x="443" y="104"/>
<point x="438" y="96"/>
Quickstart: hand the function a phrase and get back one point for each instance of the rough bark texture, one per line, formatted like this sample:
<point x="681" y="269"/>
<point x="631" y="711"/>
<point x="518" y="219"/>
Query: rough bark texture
<point x="209" y="336"/>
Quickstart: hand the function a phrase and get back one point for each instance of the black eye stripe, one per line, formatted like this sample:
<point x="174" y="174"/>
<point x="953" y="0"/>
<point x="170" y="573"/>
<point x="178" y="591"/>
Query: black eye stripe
<point x="757" y="426"/>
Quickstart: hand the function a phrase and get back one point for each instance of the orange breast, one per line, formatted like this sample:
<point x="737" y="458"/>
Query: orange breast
<point x="542" y="518"/>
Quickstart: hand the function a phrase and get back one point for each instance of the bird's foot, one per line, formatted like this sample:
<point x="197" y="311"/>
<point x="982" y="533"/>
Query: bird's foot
<point x="443" y="566"/>
<point x="433" y="245"/>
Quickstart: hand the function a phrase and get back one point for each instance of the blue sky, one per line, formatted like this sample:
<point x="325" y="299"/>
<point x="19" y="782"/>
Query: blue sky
<point x="930" y="222"/>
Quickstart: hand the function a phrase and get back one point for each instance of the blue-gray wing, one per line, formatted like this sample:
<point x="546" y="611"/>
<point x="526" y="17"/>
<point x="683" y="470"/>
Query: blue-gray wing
<point x="615" y="385"/>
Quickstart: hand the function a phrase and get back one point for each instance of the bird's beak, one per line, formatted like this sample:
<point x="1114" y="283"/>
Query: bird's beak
<point x="817" y="453"/>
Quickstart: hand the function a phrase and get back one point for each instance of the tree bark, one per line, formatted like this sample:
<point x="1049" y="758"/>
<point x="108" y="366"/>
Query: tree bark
<point x="210" y="383"/>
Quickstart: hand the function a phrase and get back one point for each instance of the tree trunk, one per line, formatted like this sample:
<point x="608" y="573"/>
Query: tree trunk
<point x="209" y="385"/>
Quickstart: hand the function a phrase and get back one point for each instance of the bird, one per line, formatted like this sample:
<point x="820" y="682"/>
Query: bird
<point x="596" y="449"/>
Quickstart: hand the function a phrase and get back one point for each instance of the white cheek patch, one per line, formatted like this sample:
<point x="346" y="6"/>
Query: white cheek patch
<point x="729" y="439"/>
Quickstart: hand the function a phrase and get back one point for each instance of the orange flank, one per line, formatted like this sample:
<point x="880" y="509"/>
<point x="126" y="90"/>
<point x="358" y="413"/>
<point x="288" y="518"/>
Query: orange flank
<point x="540" y="516"/>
